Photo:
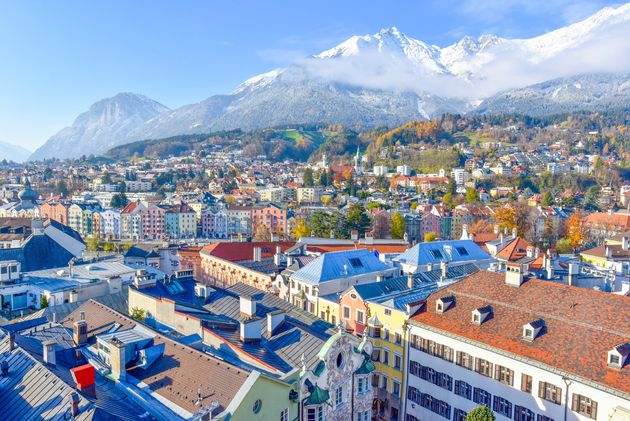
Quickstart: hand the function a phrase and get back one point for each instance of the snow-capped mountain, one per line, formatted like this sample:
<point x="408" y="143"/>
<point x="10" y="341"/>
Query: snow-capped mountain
<point x="12" y="152"/>
<point x="106" y="124"/>
<point x="388" y="77"/>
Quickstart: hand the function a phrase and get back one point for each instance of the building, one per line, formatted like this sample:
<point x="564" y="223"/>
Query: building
<point x="494" y="339"/>
<point x="332" y="273"/>
<point x="180" y="222"/>
<point x="153" y="226"/>
<point x="131" y="221"/>
<point x="214" y="223"/>
<point x="309" y="194"/>
<point x="445" y="254"/>
<point x="273" y="217"/>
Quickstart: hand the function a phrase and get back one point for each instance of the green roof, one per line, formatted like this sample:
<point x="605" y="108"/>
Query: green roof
<point x="317" y="395"/>
<point x="367" y="366"/>
<point x="319" y="369"/>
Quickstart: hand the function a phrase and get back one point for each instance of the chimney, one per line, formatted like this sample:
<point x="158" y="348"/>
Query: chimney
<point x="505" y="231"/>
<point x="608" y="251"/>
<point x="514" y="274"/>
<point x="11" y="340"/>
<point x="257" y="254"/>
<point x="464" y="232"/>
<point x="514" y="232"/>
<point x="118" y="358"/>
<point x="444" y="267"/>
<point x="410" y="280"/>
<point x="536" y="252"/>
<point x="624" y="243"/>
<point x="79" y="330"/>
<point x="50" y="354"/>
<point x="73" y="400"/>
<point x="497" y="230"/>
<point x="574" y="270"/>
<point x="379" y="278"/>
<point x="274" y="318"/>
<point x="37" y="226"/>
<point x="247" y="305"/>
<point x="369" y="238"/>
<point x="429" y="267"/>
<point x="354" y="235"/>
<point x="250" y="329"/>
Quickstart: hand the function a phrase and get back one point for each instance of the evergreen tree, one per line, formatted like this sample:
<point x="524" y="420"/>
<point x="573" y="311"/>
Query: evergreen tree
<point x="480" y="413"/>
<point x="308" y="178"/>
<point x="357" y="219"/>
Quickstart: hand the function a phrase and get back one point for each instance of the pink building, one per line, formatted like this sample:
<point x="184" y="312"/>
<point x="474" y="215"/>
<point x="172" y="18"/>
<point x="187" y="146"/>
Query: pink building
<point x="153" y="223"/>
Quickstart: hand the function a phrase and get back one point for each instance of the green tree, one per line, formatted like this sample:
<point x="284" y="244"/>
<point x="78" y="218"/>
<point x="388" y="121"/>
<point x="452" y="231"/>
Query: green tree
<point x="590" y="198"/>
<point x="563" y="246"/>
<point x="106" y="178"/>
<point x="308" y="178"/>
<point x="480" y="413"/>
<point x="48" y="174"/>
<point x="357" y="219"/>
<point x="446" y="199"/>
<point x="398" y="226"/>
<point x="430" y="236"/>
<point x="547" y="199"/>
<point x="320" y="224"/>
<point x="43" y="302"/>
<point x="472" y="195"/>
<point x="122" y="187"/>
<point x="61" y="188"/>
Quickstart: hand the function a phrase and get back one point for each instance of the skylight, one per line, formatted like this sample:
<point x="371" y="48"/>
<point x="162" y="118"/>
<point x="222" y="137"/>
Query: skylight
<point x="356" y="263"/>
<point x="462" y="251"/>
<point x="437" y="254"/>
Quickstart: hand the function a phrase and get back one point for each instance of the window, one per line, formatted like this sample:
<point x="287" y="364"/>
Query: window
<point x="386" y="333"/>
<point x="484" y="367"/>
<point x="442" y="380"/>
<point x="385" y="359"/>
<point x="463" y="389"/>
<point x="388" y="312"/>
<point x="614" y="360"/>
<point x="523" y="414"/>
<point x="315" y="414"/>
<point x="360" y="317"/>
<point x="430" y="347"/>
<point x="333" y="319"/>
<point x="384" y="382"/>
<point x="340" y="360"/>
<point x="397" y="338"/>
<point x="375" y="380"/>
<point x="397" y="362"/>
<point x="376" y="354"/>
<point x="482" y="397"/>
<point x="437" y="254"/>
<point x="462" y="251"/>
<point x="502" y="406"/>
<point x="376" y="332"/>
<point x="465" y="360"/>
<point x="364" y="415"/>
<point x="435" y="405"/>
<point x="584" y="406"/>
<point x="362" y="385"/>
<point x="346" y="312"/>
<point x="543" y="418"/>
<point x="459" y="415"/>
<point x="550" y="392"/>
<point x="284" y="415"/>
<point x="526" y="383"/>
<point x="395" y="388"/>
<point x="355" y="263"/>
<point x="339" y="395"/>
<point x="504" y="375"/>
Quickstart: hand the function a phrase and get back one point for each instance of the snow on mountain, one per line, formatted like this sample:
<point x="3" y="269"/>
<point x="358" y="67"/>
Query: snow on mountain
<point x="387" y="78"/>
<point x="12" y="152"/>
<point x="106" y="124"/>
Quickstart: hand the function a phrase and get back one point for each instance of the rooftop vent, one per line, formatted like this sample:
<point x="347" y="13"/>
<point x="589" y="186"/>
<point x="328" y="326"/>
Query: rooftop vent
<point x="482" y="314"/>
<point x="444" y="303"/>
<point x="533" y="330"/>
<point x="514" y="274"/>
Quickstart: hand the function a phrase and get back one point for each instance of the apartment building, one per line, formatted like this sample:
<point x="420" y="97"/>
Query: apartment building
<point x="528" y="349"/>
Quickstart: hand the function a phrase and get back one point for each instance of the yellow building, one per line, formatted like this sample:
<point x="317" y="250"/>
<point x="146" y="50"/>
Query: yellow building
<point x="328" y="308"/>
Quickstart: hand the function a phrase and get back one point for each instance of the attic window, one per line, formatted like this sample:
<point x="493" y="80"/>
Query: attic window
<point x="356" y="263"/>
<point x="437" y="254"/>
<point x="614" y="360"/>
<point x="462" y="251"/>
<point x="481" y="314"/>
<point x="444" y="303"/>
<point x="529" y="334"/>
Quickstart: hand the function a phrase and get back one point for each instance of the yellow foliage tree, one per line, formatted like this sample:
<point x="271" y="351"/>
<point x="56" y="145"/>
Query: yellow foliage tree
<point x="301" y="229"/>
<point x="574" y="232"/>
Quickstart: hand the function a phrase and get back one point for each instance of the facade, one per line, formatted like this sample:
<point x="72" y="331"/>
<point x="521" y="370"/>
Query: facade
<point x="239" y="221"/>
<point x="153" y="223"/>
<point x="214" y="224"/>
<point x="131" y="221"/>
<point x="492" y="339"/>
<point x="273" y="217"/>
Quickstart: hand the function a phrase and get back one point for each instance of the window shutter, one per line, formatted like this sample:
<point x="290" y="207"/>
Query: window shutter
<point x="576" y="402"/>
<point x="541" y="389"/>
<point x="593" y="410"/>
<point x="496" y="372"/>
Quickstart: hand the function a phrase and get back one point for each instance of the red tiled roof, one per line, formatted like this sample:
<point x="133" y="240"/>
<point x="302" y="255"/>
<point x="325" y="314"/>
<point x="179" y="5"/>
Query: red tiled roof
<point x="381" y="248"/>
<point x="235" y="252"/>
<point x="515" y="250"/>
<point x="582" y="324"/>
<point x="614" y="219"/>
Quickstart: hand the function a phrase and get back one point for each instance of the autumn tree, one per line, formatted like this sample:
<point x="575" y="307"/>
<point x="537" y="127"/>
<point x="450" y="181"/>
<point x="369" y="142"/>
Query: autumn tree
<point x="472" y="195"/>
<point x="398" y="226"/>
<point x="430" y="236"/>
<point x="262" y="233"/>
<point x="301" y="229"/>
<point x="574" y="232"/>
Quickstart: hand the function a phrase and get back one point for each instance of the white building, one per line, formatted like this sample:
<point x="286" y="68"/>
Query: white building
<point x="110" y="224"/>
<point x="403" y="170"/>
<point x="460" y="175"/>
<point x="309" y="194"/>
<point x="380" y="170"/>
<point x="528" y="349"/>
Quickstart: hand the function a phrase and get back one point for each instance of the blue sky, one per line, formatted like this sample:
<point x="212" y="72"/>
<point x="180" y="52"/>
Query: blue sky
<point x="58" y="57"/>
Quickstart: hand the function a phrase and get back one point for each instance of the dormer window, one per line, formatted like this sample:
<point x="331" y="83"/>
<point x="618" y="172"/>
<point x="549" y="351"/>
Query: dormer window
<point x="533" y="330"/>
<point x="619" y="356"/>
<point x="480" y="315"/>
<point x="444" y="303"/>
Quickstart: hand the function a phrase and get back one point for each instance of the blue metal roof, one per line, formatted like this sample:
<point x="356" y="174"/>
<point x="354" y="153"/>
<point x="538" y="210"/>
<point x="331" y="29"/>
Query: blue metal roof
<point x="340" y="264"/>
<point x="438" y="251"/>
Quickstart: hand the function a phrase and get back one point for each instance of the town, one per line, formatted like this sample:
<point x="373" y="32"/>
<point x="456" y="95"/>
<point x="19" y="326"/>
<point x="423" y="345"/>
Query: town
<point x="214" y="285"/>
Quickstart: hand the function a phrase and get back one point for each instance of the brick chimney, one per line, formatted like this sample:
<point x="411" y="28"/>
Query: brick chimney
<point x="410" y="280"/>
<point x="49" y="351"/>
<point x="118" y="358"/>
<point x="79" y="330"/>
<point x="74" y="401"/>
